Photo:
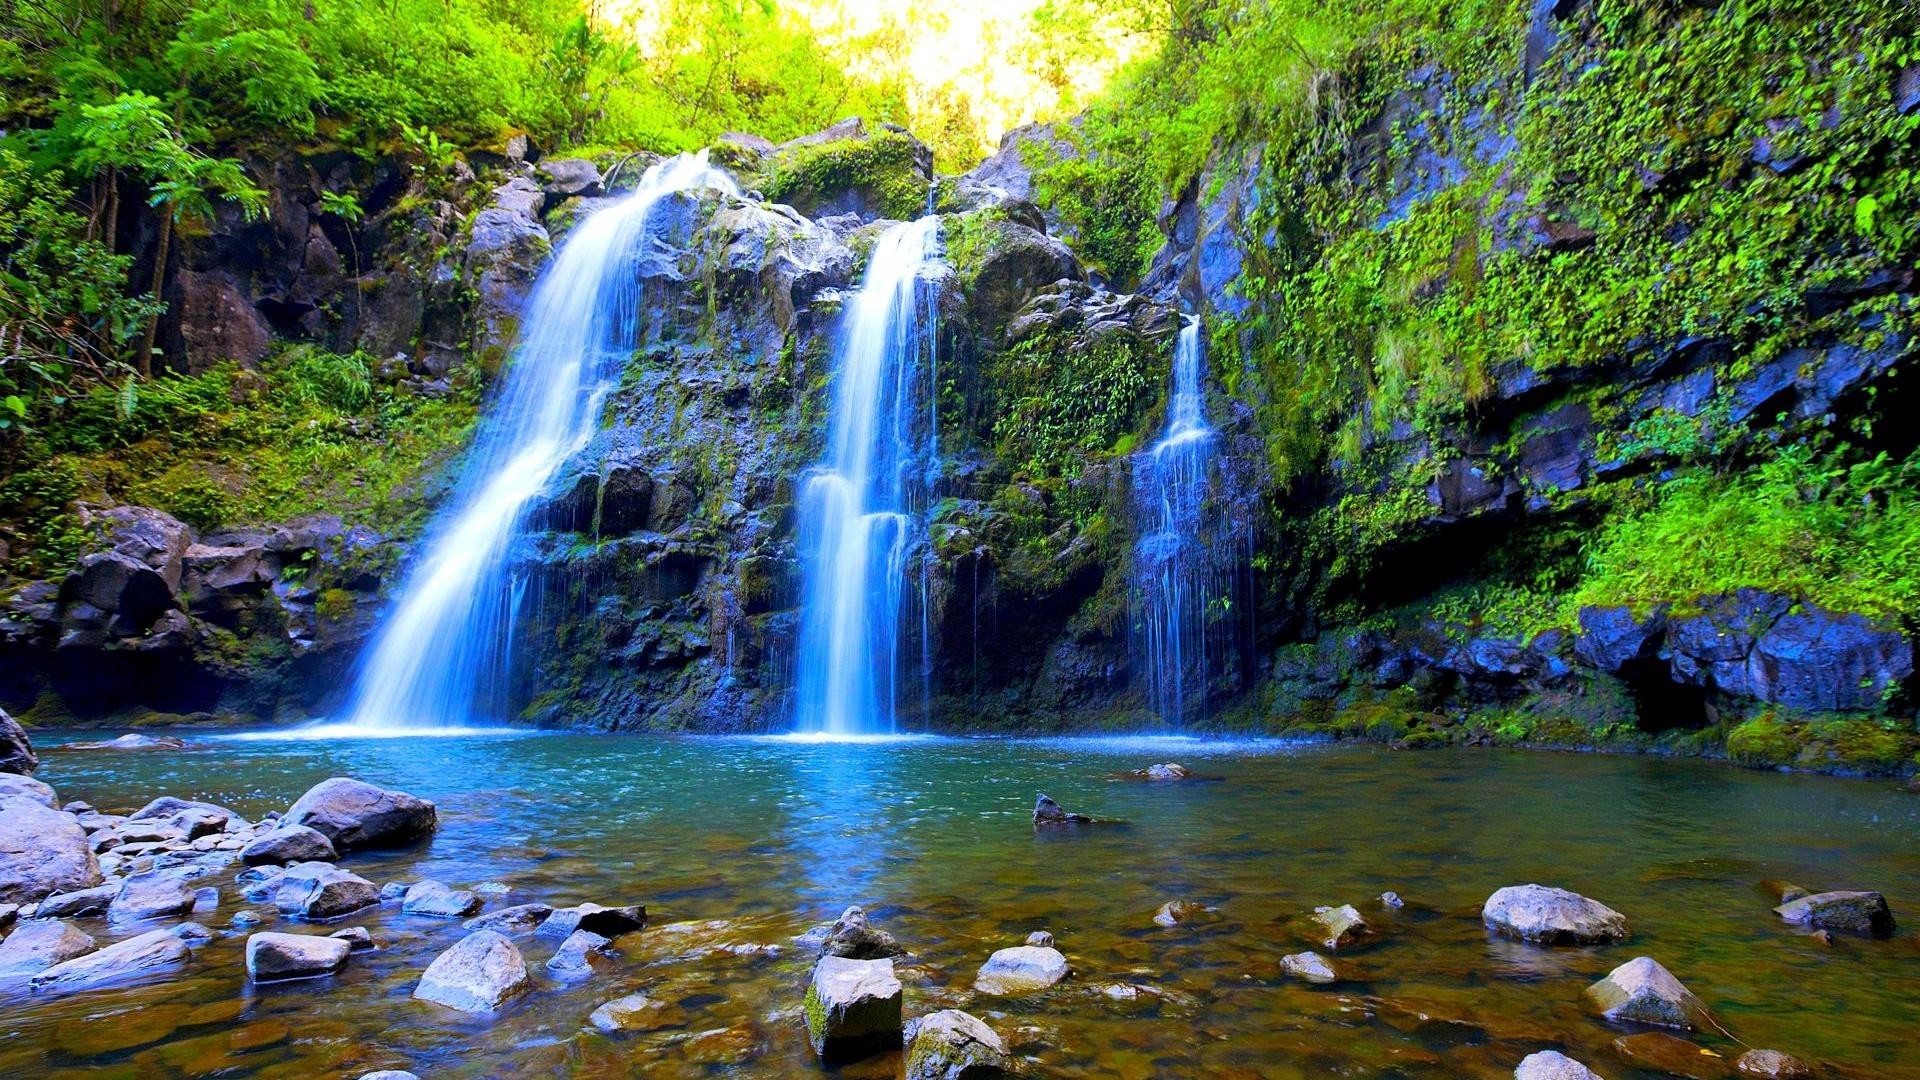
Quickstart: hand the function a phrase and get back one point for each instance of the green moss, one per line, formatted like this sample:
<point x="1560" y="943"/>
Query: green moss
<point x="1063" y="403"/>
<point x="881" y="166"/>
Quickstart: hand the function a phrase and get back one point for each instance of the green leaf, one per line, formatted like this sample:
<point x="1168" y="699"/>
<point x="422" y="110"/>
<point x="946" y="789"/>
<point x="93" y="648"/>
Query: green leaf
<point x="15" y="404"/>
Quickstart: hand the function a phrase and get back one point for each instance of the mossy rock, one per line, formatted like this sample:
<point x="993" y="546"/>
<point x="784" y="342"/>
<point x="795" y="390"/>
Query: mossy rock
<point x="885" y="173"/>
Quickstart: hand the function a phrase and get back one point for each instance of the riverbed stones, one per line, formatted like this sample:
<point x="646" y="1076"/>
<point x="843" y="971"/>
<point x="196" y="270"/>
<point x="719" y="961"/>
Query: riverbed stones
<point x="275" y="957"/>
<point x="70" y="905"/>
<point x="1640" y="991"/>
<point x="42" y="851"/>
<point x="574" y="958"/>
<point x="852" y="1006"/>
<point x="479" y="974"/>
<point x="354" y="814"/>
<point x="952" y="1045"/>
<point x="519" y="919"/>
<point x="1852" y="912"/>
<point x="1336" y="928"/>
<point x="608" y="922"/>
<point x="1309" y="967"/>
<point x="1025" y="969"/>
<point x="1048" y="812"/>
<point x="636" y="1012"/>
<point x="38" y="944"/>
<point x="156" y="954"/>
<point x="1772" y="1065"/>
<point x="439" y="900"/>
<point x="150" y="896"/>
<point x="356" y="937"/>
<point x="289" y="844"/>
<point x="1670" y="1056"/>
<point x="1552" y="1065"/>
<point x="1549" y="916"/>
<point x="16" y="750"/>
<point x="319" y="891"/>
<point x="853" y="937"/>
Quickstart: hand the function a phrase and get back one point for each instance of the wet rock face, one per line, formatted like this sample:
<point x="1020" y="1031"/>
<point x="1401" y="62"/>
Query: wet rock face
<point x="42" y="852"/>
<point x="38" y="944"/>
<point x="1853" y="912"/>
<point x="16" y="750"/>
<point x="852" y="1006"/>
<point x="353" y="814"/>
<point x="277" y="957"/>
<point x="154" y="955"/>
<point x="1640" y="991"/>
<point x="952" y="1045"/>
<point x="480" y="974"/>
<point x="1551" y="916"/>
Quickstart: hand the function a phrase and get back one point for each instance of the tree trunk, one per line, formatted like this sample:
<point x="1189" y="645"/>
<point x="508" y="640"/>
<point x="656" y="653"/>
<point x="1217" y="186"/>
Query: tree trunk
<point x="144" y="361"/>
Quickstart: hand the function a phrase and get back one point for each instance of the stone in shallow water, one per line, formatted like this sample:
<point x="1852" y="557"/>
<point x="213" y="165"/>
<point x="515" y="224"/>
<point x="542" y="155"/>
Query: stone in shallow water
<point x="1040" y="939"/>
<point x="389" y="1074"/>
<point x="435" y="898"/>
<point x="637" y="1012"/>
<point x="479" y="974"/>
<point x="952" y="1045"/>
<point x="1772" y="1064"/>
<point x="273" y="957"/>
<point x="574" y="958"/>
<point x="353" y="814"/>
<point x="1552" y="1065"/>
<point x="1309" y="967"/>
<point x="852" y="936"/>
<point x="289" y="844"/>
<point x="1025" y="969"/>
<point x="1048" y="812"/>
<point x="606" y="921"/>
<point x="42" y="851"/>
<point x="155" y="954"/>
<point x="1336" y="928"/>
<point x="1852" y="912"/>
<point x="356" y="937"/>
<point x="1175" y="912"/>
<point x="1670" y="1056"/>
<point x="150" y="896"/>
<point x="1550" y="916"/>
<point x="320" y="891"/>
<point x="852" y="1006"/>
<point x="1640" y="991"/>
<point x="68" y="905"/>
<point x="38" y="944"/>
<point x="519" y="919"/>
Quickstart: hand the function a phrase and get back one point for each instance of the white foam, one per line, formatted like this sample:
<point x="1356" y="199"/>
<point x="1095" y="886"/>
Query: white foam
<point x="336" y="730"/>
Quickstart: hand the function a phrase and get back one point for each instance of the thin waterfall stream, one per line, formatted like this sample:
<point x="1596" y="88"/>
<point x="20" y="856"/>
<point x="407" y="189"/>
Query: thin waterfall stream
<point x="864" y="507"/>
<point x="441" y="658"/>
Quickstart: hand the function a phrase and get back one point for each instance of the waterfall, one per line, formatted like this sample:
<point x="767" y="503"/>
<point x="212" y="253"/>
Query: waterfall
<point x="863" y="508"/>
<point x="441" y="659"/>
<point x="1175" y="579"/>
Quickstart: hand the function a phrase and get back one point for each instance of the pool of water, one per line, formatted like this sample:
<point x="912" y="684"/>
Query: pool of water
<point x="752" y="841"/>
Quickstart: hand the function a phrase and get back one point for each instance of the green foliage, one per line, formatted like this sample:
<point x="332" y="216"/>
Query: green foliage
<point x="881" y="165"/>
<point x="1061" y="404"/>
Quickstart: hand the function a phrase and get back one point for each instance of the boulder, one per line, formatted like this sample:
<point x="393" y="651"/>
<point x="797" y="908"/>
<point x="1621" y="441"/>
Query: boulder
<point x="1048" y="812"/>
<point x="1549" y="916"/>
<point x="1822" y="661"/>
<point x="151" y="896"/>
<point x="356" y="937"/>
<point x="952" y="1045"/>
<point x="852" y="936"/>
<point x="125" y="592"/>
<point x="1336" y="928"/>
<point x="519" y="919"/>
<point x="42" y="851"/>
<point x="609" y="922"/>
<point x="1040" y="939"/>
<point x="1852" y="912"/>
<point x="353" y="814"/>
<point x="67" y="905"/>
<point x="479" y="974"/>
<point x="169" y="809"/>
<point x="1025" y="969"/>
<point x="1552" y="1065"/>
<point x="217" y="322"/>
<point x="636" y="1012"/>
<point x="574" y="958"/>
<point x="276" y="957"/>
<point x="38" y="944"/>
<point x="1640" y="991"/>
<point x="1771" y="1064"/>
<point x="318" y="891"/>
<point x="15" y="786"/>
<point x="16" y="750"/>
<point x="852" y="1005"/>
<point x="1669" y="1056"/>
<point x="289" y="844"/>
<point x="437" y="899"/>
<point x="565" y="177"/>
<point x="1309" y="967"/>
<point x="1612" y="637"/>
<point x="153" y="955"/>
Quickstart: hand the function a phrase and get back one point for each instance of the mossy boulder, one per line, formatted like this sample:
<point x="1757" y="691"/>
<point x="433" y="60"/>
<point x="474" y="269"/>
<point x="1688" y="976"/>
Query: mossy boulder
<point x="849" y="169"/>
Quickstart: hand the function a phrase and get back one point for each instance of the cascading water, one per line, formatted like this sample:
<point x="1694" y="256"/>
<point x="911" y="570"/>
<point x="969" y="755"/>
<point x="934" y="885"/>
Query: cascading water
<point x="1175" y="575"/>
<point x="863" y="508"/>
<point x="441" y="658"/>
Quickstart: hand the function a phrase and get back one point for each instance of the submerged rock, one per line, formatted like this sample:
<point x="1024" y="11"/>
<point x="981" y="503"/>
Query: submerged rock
<point x="636" y="1012"/>
<point x="1171" y="770"/>
<point x="289" y="844"/>
<point x="1671" y="1056"/>
<point x="1852" y="912"/>
<point x="437" y="899"/>
<point x="1336" y="928"/>
<point x="16" y="750"/>
<point x="952" y="1045"/>
<point x="1025" y="969"/>
<point x="1784" y="892"/>
<point x="1549" y="916"/>
<point x="42" y="851"/>
<point x="852" y="936"/>
<point x="38" y="944"/>
<point x="574" y="958"/>
<point x="353" y="814"/>
<point x="481" y="973"/>
<point x="1552" y="1065"/>
<point x="153" y="955"/>
<point x="272" y="957"/>
<point x="852" y="1006"/>
<point x="1640" y="991"/>
<point x="1040" y="939"/>
<point x="1771" y="1064"/>
<point x="1309" y="967"/>
<point x="1048" y="812"/>
<point x="1175" y="912"/>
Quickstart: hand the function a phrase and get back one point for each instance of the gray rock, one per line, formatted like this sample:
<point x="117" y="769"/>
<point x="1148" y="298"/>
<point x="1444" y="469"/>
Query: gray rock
<point x="38" y="944"/>
<point x="1612" y="637"/>
<point x="354" y="815"/>
<point x="1175" y="912"/>
<point x="1336" y="928"/>
<point x="435" y="898"/>
<point x="1048" y="812"/>
<point x="1853" y="912"/>
<point x="1309" y="967"/>
<point x="1552" y="1065"/>
<point x="852" y="936"/>
<point x="636" y="1012"/>
<point x="175" y="812"/>
<point x="132" y="741"/>
<point x="69" y="905"/>
<point x="952" y="1045"/>
<point x="289" y="844"/>
<point x="26" y="787"/>
<point x="1551" y="916"/>
<point x="318" y="891"/>
<point x="192" y="933"/>
<point x="156" y="954"/>
<point x="852" y="1005"/>
<point x="519" y="919"/>
<point x="569" y="176"/>
<point x="356" y="937"/>
<point x="1640" y="991"/>
<point x="479" y="974"/>
<point x="1040" y="939"/>
<point x="573" y="960"/>
<point x="42" y="851"/>
<point x="16" y="750"/>
<point x="609" y="922"/>
<point x="389" y="1074"/>
<point x="150" y="896"/>
<point x="1025" y="969"/>
<point x="275" y="957"/>
<point x="1772" y="1064"/>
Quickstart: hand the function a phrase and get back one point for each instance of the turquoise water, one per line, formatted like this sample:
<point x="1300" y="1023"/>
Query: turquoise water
<point x="758" y="839"/>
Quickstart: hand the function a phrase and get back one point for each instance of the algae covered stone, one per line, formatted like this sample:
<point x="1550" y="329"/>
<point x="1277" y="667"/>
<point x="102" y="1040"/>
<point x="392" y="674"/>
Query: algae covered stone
<point x="852" y="1005"/>
<point x="1640" y="991"/>
<point x="952" y="1045"/>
